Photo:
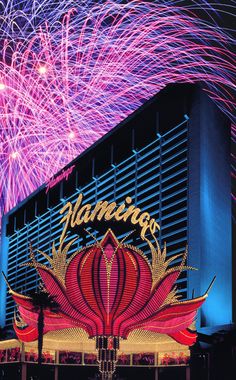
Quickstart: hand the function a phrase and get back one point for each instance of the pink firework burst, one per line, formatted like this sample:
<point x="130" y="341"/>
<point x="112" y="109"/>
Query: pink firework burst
<point x="64" y="87"/>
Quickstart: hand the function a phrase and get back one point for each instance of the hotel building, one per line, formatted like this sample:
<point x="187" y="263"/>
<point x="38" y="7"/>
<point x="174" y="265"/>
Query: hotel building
<point x="172" y="157"/>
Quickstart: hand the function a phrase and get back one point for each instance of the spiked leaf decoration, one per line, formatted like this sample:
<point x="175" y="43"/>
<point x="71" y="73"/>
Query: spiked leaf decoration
<point x="160" y="263"/>
<point x="58" y="262"/>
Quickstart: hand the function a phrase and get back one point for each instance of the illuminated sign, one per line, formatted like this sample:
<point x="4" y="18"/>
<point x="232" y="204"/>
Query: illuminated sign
<point x="79" y="214"/>
<point x="110" y="289"/>
<point x="55" y="180"/>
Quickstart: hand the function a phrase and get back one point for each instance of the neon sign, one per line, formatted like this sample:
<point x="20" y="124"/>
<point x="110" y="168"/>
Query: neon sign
<point x="55" y="180"/>
<point x="79" y="214"/>
<point x="109" y="289"/>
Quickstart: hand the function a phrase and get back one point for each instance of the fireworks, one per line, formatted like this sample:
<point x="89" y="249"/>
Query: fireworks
<point x="72" y="74"/>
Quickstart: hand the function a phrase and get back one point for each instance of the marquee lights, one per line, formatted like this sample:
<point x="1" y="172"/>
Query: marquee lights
<point x="110" y="289"/>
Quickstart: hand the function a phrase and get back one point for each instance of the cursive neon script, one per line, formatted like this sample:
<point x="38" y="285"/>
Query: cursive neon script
<point x="79" y="213"/>
<point x="65" y="174"/>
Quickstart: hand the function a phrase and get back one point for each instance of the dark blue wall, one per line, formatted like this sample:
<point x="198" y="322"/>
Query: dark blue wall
<point x="209" y="229"/>
<point x="3" y="267"/>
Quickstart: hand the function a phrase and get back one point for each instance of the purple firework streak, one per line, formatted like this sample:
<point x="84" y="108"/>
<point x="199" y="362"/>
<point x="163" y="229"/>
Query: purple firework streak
<point x="71" y="77"/>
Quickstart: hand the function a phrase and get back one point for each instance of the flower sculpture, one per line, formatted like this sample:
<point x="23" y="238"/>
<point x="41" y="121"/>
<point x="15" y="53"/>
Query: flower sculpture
<point x="110" y="289"/>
